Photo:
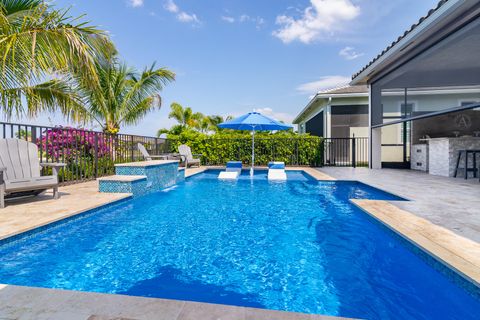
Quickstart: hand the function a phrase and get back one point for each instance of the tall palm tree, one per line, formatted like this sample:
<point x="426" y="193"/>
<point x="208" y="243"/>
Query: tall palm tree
<point x="36" y="43"/>
<point x="204" y="125"/>
<point x="123" y="95"/>
<point x="185" y="116"/>
<point x="215" y="120"/>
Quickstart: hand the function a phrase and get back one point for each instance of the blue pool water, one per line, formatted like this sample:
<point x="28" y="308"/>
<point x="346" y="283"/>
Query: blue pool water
<point x="295" y="246"/>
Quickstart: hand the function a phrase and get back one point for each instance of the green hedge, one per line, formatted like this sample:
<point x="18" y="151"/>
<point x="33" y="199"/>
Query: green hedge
<point x="293" y="149"/>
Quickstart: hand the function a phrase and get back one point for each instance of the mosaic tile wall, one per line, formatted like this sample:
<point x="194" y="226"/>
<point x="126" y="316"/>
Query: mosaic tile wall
<point x="181" y="175"/>
<point x="157" y="178"/>
<point x="137" y="188"/>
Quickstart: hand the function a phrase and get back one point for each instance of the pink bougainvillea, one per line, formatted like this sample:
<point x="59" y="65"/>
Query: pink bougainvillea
<point x="69" y="143"/>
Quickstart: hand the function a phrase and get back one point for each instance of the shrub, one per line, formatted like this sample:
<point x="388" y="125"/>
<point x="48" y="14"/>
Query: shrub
<point x="292" y="148"/>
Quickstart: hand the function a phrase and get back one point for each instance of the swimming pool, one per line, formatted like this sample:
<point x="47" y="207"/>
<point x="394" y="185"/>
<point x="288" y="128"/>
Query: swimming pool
<point x="295" y="246"/>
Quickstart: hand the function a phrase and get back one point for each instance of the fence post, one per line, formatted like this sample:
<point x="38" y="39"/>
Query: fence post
<point x="156" y="146"/>
<point x="33" y="134"/>
<point x="96" y="154"/>
<point x="297" y="162"/>
<point x="131" y="140"/>
<point x="354" y="152"/>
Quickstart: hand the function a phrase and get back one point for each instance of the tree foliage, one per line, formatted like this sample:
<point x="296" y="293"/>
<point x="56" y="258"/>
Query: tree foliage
<point x="38" y="42"/>
<point x="226" y="145"/>
<point x="188" y="120"/>
<point x="122" y="96"/>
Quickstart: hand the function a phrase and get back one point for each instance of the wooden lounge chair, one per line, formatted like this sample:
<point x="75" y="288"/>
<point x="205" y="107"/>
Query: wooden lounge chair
<point x="187" y="156"/>
<point x="20" y="170"/>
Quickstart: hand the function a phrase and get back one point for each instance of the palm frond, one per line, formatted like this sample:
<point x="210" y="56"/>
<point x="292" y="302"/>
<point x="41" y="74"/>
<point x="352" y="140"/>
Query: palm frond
<point x="48" y="96"/>
<point x="37" y="41"/>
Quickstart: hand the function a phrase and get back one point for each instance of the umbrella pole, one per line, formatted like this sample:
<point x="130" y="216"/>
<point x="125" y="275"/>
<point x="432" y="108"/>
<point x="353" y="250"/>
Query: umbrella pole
<point x="253" y="152"/>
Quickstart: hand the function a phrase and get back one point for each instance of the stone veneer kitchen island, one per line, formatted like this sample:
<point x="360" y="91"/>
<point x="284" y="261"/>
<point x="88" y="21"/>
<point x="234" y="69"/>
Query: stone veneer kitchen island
<point x="443" y="154"/>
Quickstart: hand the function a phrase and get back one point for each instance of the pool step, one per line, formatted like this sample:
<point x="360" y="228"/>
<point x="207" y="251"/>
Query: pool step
<point x="139" y="178"/>
<point x="122" y="184"/>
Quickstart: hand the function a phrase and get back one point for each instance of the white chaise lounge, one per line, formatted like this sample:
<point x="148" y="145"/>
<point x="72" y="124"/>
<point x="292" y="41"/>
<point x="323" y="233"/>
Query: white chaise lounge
<point x="232" y="171"/>
<point x="276" y="171"/>
<point x="20" y="170"/>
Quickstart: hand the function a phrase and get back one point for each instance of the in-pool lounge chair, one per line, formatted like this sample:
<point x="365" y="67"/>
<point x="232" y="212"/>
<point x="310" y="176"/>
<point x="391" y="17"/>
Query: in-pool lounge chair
<point x="187" y="156"/>
<point x="232" y="171"/>
<point x="276" y="171"/>
<point x="20" y="171"/>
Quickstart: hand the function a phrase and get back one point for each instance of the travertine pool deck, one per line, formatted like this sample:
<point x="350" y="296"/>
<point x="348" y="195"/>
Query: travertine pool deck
<point x="25" y="214"/>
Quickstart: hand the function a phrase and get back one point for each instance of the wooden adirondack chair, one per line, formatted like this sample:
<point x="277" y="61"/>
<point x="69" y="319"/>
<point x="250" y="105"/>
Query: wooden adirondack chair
<point x="20" y="170"/>
<point x="187" y="156"/>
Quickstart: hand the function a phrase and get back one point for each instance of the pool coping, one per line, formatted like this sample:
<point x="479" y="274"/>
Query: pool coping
<point x="45" y="303"/>
<point x="459" y="254"/>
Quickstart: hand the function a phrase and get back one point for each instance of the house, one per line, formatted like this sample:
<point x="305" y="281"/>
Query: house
<point x="336" y="113"/>
<point x="424" y="91"/>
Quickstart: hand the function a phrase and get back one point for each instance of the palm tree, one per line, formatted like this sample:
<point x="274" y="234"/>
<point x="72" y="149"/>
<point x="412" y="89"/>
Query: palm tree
<point x="123" y="96"/>
<point x="36" y="42"/>
<point x="215" y="120"/>
<point x="204" y="125"/>
<point x="185" y="116"/>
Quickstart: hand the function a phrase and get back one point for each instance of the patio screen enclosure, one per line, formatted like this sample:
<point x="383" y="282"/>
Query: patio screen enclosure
<point x="433" y="92"/>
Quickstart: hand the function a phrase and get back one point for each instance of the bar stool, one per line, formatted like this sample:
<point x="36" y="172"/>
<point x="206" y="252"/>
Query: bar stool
<point x="466" y="169"/>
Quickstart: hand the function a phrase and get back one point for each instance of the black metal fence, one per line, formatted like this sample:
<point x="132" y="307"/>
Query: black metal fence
<point x="345" y="152"/>
<point x="87" y="154"/>
<point x="92" y="154"/>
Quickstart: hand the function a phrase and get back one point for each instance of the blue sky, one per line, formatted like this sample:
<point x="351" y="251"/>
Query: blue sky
<point x="232" y="56"/>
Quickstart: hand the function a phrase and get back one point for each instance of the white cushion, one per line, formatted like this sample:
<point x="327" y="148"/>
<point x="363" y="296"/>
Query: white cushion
<point x="277" y="174"/>
<point x="229" y="175"/>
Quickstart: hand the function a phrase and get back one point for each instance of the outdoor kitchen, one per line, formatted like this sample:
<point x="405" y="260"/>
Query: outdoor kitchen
<point x="438" y="142"/>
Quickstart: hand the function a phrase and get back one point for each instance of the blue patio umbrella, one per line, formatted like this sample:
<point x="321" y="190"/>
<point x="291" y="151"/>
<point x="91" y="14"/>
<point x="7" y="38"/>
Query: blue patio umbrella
<point x="254" y="121"/>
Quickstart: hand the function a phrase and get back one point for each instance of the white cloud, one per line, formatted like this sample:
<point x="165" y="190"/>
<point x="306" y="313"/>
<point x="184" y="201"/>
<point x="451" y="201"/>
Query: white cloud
<point x="170" y="6"/>
<point x="324" y="83"/>
<point x="244" y="18"/>
<point x="185" y="17"/>
<point x="135" y="3"/>
<point x="322" y="18"/>
<point x="349" y="53"/>
<point x="228" y="19"/>
<point x="181" y="16"/>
